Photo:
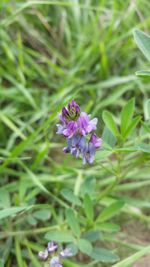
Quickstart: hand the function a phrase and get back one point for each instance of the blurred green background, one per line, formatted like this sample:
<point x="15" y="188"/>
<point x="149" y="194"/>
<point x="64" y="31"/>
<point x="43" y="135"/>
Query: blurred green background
<point x="52" y="52"/>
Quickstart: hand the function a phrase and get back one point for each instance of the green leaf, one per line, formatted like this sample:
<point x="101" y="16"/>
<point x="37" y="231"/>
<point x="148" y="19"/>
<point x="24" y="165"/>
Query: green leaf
<point x="143" y="74"/>
<point x="72" y="222"/>
<point x="1" y="263"/>
<point x="85" y="246"/>
<point x="143" y="42"/>
<point x="131" y="127"/>
<point x="33" y="258"/>
<point x="73" y="248"/>
<point x="11" y="211"/>
<point x="69" y="195"/>
<point x="110" y="211"/>
<point x="92" y="236"/>
<point x="104" y="255"/>
<point x="12" y="126"/>
<point x="126" y="115"/>
<point x="69" y="263"/>
<point x="4" y="198"/>
<point x="147" y="109"/>
<point x="59" y="236"/>
<point x="108" y="137"/>
<point x="109" y="227"/>
<point x="110" y="123"/>
<point x="88" y="186"/>
<point x="88" y="207"/>
<point x="144" y="148"/>
<point x="128" y="262"/>
<point x="31" y="220"/>
<point x="18" y="253"/>
<point x="43" y="214"/>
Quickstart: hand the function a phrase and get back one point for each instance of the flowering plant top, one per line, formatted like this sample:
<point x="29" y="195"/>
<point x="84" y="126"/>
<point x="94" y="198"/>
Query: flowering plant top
<point x="53" y="256"/>
<point x="78" y="129"/>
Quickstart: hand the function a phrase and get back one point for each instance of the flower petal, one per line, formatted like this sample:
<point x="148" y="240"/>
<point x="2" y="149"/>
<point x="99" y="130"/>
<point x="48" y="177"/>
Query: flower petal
<point x="43" y="255"/>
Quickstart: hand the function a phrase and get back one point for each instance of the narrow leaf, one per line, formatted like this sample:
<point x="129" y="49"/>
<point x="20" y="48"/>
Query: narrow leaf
<point x="43" y="214"/>
<point x="147" y="109"/>
<point x="132" y="126"/>
<point x="72" y="222"/>
<point x="143" y="42"/>
<point x="59" y="236"/>
<point x="110" y="211"/>
<point x="88" y="207"/>
<point x="18" y="253"/>
<point x="104" y="255"/>
<point x="11" y="211"/>
<point x="127" y="114"/>
<point x="128" y="262"/>
<point x="110" y="123"/>
<point x="69" y="196"/>
<point x="85" y="246"/>
<point x="143" y="73"/>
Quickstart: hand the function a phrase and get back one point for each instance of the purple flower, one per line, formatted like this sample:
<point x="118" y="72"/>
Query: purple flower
<point x="55" y="262"/>
<point x="74" y="108"/>
<point x="76" y="126"/>
<point x="85" y="125"/>
<point x="71" y="113"/>
<point x="90" y="149"/>
<point x="51" y="247"/>
<point x="76" y="145"/>
<point x="96" y="141"/>
<point x="66" y="253"/>
<point x="60" y="129"/>
<point x="88" y="154"/>
<point x="43" y="255"/>
<point x="70" y="129"/>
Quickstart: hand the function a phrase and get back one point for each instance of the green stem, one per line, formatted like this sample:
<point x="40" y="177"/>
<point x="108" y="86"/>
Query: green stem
<point x="119" y="177"/>
<point x="28" y="232"/>
<point x="78" y="183"/>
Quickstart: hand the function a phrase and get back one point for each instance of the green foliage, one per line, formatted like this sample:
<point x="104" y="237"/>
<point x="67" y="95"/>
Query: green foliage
<point x="53" y="52"/>
<point x="126" y="115"/>
<point x="88" y="207"/>
<point x="85" y="246"/>
<point x="110" y="123"/>
<point x="72" y="222"/>
<point x="104" y="255"/>
<point x="110" y="211"/>
<point x="143" y="42"/>
<point x="59" y="236"/>
<point x="68" y="195"/>
<point x="132" y="259"/>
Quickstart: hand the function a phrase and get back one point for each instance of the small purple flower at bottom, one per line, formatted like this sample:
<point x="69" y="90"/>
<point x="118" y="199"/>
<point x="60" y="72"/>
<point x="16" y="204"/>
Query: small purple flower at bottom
<point x="43" y="255"/>
<point x="52" y="255"/>
<point x="66" y="253"/>
<point x="51" y="247"/>
<point x="55" y="262"/>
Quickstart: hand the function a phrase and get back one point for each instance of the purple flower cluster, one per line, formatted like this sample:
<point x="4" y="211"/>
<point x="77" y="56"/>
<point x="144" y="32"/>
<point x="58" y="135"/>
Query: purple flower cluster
<point x="51" y="254"/>
<point x="76" y="126"/>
